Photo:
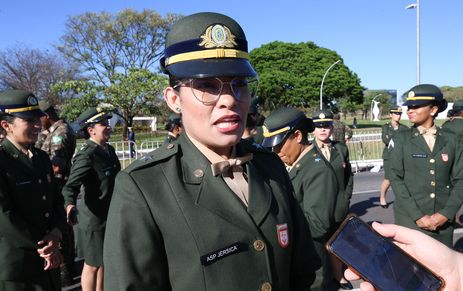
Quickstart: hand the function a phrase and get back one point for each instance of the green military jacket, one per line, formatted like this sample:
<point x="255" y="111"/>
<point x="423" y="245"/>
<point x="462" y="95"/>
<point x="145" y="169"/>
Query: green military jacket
<point x="30" y="207"/>
<point x="95" y="169"/>
<point x="426" y="182"/>
<point x="60" y="145"/>
<point x="340" y="164"/>
<point x="455" y="125"/>
<point x="387" y="133"/>
<point x="172" y="225"/>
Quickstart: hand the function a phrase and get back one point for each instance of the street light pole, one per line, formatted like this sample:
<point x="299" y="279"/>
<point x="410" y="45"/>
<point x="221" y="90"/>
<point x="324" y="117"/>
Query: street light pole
<point x="323" y="80"/>
<point x="418" y="58"/>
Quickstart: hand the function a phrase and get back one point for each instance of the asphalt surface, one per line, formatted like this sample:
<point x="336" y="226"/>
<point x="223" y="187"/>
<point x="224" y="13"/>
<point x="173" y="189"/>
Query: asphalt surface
<point x="364" y="203"/>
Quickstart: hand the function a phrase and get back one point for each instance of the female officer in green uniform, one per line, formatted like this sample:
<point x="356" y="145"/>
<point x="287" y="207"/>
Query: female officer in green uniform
<point x="314" y="181"/>
<point x="209" y="211"/>
<point x="387" y="133"/>
<point x="94" y="168"/>
<point x="426" y="168"/>
<point x="31" y="209"/>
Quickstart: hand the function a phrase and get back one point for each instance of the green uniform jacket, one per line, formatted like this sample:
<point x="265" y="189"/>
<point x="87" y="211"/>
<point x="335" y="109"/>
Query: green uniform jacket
<point x="30" y="207"/>
<point x="95" y="169"/>
<point x="387" y="133"/>
<point x="342" y="168"/>
<point x="426" y="182"/>
<point x="174" y="226"/>
<point x="455" y="125"/>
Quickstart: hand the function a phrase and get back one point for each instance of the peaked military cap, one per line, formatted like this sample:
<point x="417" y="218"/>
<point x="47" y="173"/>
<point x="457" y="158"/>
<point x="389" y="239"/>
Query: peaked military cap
<point x="458" y="105"/>
<point x="395" y="109"/>
<point x="20" y="103"/>
<point x="322" y="118"/>
<point x="92" y="115"/>
<point x="425" y="94"/>
<point x="206" y="45"/>
<point x="281" y="122"/>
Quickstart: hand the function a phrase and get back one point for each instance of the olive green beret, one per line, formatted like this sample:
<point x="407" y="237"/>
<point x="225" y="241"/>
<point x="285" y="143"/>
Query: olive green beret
<point x="20" y="103"/>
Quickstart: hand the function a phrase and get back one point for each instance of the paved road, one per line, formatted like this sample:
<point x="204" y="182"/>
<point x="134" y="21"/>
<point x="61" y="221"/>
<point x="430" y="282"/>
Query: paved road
<point x="365" y="203"/>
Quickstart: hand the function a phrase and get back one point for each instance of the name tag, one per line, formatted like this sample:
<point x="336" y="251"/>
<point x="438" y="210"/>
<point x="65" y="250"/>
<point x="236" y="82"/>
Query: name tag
<point x="23" y="183"/>
<point x="421" y="156"/>
<point x="222" y="253"/>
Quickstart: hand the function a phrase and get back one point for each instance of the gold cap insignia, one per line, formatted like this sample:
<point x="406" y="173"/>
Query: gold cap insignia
<point x="411" y="94"/>
<point x="321" y="116"/>
<point x="32" y="101"/>
<point x="217" y="36"/>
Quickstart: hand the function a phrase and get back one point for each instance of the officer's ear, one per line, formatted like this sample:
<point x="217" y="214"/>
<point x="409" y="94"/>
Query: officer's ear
<point x="298" y="136"/>
<point x="172" y="99"/>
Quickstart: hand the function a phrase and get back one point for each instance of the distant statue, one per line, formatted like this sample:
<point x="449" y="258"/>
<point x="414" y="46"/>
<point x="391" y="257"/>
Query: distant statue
<point x="375" y="111"/>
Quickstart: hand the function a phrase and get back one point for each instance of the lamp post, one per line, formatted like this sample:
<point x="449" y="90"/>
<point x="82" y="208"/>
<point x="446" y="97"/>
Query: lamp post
<point x="371" y="105"/>
<point x="323" y="80"/>
<point x="417" y="7"/>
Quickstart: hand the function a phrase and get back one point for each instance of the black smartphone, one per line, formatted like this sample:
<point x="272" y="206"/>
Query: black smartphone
<point x="378" y="260"/>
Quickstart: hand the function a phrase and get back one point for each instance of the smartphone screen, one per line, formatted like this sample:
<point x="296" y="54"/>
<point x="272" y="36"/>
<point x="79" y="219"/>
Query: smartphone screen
<point x="378" y="260"/>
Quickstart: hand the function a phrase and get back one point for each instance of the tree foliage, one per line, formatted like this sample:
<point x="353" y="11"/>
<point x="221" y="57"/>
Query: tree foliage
<point x="106" y="44"/>
<point x="34" y="70"/>
<point x="291" y="74"/>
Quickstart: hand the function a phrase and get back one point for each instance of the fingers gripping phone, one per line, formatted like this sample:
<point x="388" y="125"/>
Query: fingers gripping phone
<point x="378" y="260"/>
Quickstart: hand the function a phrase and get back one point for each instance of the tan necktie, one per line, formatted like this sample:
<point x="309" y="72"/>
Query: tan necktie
<point x="326" y="151"/>
<point x="429" y="136"/>
<point x="232" y="173"/>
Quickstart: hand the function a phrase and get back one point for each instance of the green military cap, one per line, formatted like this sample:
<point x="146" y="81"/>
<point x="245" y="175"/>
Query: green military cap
<point x="206" y="45"/>
<point x="92" y="115"/>
<point x="44" y="105"/>
<point x="458" y="105"/>
<point x="281" y="122"/>
<point x="20" y="103"/>
<point x="395" y="109"/>
<point x="322" y="118"/>
<point x="425" y="94"/>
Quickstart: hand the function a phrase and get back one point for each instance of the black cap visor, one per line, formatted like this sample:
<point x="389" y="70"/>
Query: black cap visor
<point x="206" y="68"/>
<point x="274" y="140"/>
<point x="323" y="124"/>
<point x="418" y="103"/>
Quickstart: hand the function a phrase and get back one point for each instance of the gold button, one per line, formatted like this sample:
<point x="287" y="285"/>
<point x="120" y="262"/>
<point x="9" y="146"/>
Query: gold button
<point x="416" y="134"/>
<point x="47" y="214"/>
<point x="198" y="173"/>
<point x="297" y="166"/>
<point x="169" y="146"/>
<point x="259" y="245"/>
<point x="432" y="161"/>
<point x="266" y="287"/>
<point x="431" y="172"/>
<point x="44" y="197"/>
<point x="433" y="183"/>
<point x="432" y="195"/>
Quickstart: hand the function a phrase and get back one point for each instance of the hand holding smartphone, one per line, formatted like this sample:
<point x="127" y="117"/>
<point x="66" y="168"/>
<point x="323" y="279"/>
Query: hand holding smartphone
<point x="378" y="260"/>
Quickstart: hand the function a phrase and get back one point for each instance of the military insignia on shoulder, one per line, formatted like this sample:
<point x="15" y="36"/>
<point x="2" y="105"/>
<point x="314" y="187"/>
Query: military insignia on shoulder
<point x="391" y="144"/>
<point x="218" y="36"/>
<point x="283" y="235"/>
<point x="84" y="146"/>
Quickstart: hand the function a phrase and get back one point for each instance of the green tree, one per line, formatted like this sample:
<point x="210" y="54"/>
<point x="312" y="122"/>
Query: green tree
<point x="138" y="92"/>
<point x="106" y="44"/>
<point x="291" y="74"/>
<point x="81" y="95"/>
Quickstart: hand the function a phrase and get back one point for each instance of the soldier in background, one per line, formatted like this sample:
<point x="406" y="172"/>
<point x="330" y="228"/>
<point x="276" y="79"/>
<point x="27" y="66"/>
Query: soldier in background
<point x="57" y="139"/>
<point x="387" y="133"/>
<point x="455" y="122"/>
<point x="341" y="131"/>
<point x="174" y="127"/>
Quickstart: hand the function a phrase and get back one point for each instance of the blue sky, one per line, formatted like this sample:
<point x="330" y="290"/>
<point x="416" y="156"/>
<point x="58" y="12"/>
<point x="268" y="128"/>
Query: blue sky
<point x="375" y="38"/>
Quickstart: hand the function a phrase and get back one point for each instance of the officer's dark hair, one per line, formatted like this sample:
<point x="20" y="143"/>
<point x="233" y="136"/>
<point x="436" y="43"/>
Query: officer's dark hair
<point x="304" y="126"/>
<point x="85" y="133"/>
<point x="251" y="120"/>
<point x="51" y="112"/>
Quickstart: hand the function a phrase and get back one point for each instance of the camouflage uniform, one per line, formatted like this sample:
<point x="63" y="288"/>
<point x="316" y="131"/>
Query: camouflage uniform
<point x="41" y="138"/>
<point x="341" y="132"/>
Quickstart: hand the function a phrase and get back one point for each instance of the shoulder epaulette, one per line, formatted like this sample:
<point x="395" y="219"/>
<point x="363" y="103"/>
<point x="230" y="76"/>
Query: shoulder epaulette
<point x="154" y="157"/>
